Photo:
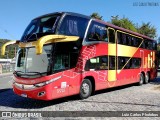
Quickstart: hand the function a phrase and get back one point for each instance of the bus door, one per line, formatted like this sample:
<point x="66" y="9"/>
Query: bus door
<point x="112" y="56"/>
<point x="61" y="61"/>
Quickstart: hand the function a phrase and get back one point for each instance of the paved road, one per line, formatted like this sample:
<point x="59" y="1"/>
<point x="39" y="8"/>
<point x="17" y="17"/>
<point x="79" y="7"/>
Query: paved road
<point x="126" y="98"/>
<point x="5" y="81"/>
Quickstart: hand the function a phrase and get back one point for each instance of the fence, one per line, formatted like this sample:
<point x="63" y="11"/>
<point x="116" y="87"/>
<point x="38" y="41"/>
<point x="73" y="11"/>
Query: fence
<point x="6" y="67"/>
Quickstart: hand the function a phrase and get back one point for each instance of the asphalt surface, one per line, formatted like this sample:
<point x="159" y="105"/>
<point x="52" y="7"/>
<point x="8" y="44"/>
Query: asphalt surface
<point x="125" y="98"/>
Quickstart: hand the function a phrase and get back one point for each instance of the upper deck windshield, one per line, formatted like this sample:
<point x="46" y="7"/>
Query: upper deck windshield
<point x="55" y="24"/>
<point x="73" y="26"/>
<point x="40" y="27"/>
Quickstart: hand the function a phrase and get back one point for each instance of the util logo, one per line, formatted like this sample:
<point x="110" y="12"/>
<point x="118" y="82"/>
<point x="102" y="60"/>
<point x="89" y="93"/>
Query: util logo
<point x="149" y="61"/>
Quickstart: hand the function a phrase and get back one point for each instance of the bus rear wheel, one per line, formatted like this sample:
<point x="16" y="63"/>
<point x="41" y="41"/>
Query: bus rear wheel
<point x="85" y="89"/>
<point x="141" y="79"/>
<point x="147" y="78"/>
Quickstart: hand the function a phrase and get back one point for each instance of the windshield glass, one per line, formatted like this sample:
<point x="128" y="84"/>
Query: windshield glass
<point x="29" y="64"/>
<point x="40" y="27"/>
<point x="73" y="26"/>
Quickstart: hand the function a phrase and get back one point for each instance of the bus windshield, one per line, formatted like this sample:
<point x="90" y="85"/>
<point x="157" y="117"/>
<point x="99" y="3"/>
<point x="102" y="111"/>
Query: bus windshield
<point x="40" y="27"/>
<point x="29" y="64"/>
<point x="73" y="26"/>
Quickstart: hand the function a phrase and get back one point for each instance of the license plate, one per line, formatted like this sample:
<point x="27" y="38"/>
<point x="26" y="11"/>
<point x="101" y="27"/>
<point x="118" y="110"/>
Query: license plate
<point x="24" y="95"/>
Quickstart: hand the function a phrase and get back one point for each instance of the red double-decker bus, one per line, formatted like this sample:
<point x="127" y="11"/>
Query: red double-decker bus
<point x="63" y="54"/>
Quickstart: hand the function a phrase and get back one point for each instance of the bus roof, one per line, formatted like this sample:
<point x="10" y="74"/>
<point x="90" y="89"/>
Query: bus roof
<point x="62" y="13"/>
<point x="103" y="22"/>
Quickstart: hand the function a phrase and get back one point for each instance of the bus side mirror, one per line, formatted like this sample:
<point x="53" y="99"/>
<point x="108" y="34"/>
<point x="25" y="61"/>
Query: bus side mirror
<point x="3" y="48"/>
<point x="53" y="39"/>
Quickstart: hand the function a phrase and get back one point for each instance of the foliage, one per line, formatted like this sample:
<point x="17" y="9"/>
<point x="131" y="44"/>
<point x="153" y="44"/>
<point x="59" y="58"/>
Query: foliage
<point x="124" y="22"/>
<point x="147" y="29"/>
<point x="96" y="16"/>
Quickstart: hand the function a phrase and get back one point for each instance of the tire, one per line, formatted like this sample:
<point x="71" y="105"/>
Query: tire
<point x="147" y="78"/>
<point x="141" y="79"/>
<point x="85" y="89"/>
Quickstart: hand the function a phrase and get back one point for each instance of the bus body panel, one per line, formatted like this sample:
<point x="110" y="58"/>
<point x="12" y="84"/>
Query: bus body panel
<point x="90" y="64"/>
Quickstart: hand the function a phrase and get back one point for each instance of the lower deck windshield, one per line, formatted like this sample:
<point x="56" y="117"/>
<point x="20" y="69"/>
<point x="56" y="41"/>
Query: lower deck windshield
<point x="29" y="64"/>
<point x="54" y="58"/>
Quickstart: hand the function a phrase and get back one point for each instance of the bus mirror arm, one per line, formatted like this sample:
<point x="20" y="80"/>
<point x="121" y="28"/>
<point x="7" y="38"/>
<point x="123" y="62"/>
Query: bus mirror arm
<point x="3" y="48"/>
<point x="52" y="39"/>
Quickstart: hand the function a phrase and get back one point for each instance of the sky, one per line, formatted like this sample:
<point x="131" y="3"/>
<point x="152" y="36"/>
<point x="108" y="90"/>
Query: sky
<point x="15" y="15"/>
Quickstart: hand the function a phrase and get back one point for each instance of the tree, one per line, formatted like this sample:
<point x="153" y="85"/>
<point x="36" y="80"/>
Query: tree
<point x="124" y="22"/>
<point x="96" y="16"/>
<point x="147" y="29"/>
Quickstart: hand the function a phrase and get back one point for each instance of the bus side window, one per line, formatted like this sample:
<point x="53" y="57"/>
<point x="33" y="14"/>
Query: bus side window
<point x="150" y="45"/>
<point x="154" y="46"/>
<point x="104" y="63"/>
<point x="128" y="63"/>
<point x="124" y="39"/>
<point x="97" y="63"/>
<point x="119" y="38"/>
<point x="135" y="41"/>
<point x="129" y="40"/>
<point x="111" y="62"/>
<point x="121" y="62"/>
<point x="111" y="35"/>
<point x="135" y="63"/>
<point x="146" y="44"/>
<point x="142" y="45"/>
<point x="97" y="32"/>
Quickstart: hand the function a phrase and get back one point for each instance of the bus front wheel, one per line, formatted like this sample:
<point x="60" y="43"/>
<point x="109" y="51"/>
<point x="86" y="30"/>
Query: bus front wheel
<point x="85" y="89"/>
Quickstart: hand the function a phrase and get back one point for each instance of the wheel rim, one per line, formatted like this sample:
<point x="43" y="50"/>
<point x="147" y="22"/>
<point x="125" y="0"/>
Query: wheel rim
<point x="141" y="79"/>
<point x="147" y="78"/>
<point x="85" y="88"/>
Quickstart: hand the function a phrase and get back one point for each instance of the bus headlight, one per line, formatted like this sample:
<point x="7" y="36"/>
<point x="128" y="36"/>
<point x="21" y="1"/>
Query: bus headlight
<point x="47" y="82"/>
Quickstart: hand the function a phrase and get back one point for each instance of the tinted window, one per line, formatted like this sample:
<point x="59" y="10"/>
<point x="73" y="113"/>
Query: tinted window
<point x="142" y="45"/>
<point x="150" y="45"/>
<point x="135" y="62"/>
<point x="40" y="27"/>
<point x="137" y="42"/>
<point x="97" y="63"/>
<point x="97" y="32"/>
<point x="129" y="40"/>
<point x="123" y="62"/>
<point x="128" y="63"/>
<point x="74" y="26"/>
<point x="111" y="35"/>
<point x="154" y="46"/>
<point x="121" y="38"/>
<point x="111" y="62"/>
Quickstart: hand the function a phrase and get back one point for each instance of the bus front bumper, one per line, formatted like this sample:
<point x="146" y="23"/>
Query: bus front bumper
<point x="41" y="93"/>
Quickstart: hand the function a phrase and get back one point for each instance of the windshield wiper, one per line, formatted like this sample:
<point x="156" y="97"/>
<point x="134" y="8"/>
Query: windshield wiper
<point x="28" y="73"/>
<point x="15" y="72"/>
<point x="33" y="73"/>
